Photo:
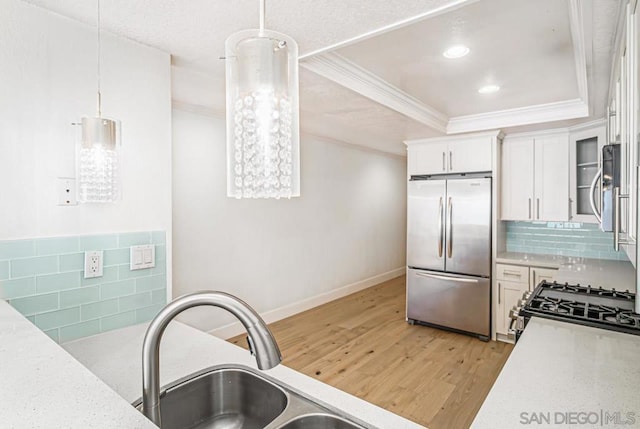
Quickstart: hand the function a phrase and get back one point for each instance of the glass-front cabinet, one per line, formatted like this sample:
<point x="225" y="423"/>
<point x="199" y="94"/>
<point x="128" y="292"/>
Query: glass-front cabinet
<point x="585" y="160"/>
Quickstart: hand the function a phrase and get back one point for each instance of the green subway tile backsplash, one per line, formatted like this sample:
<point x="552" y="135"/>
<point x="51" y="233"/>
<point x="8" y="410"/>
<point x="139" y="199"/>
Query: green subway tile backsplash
<point x="116" y="257"/>
<point x="126" y="273"/>
<point x="158" y="237"/>
<point x="75" y="297"/>
<point x="33" y="266"/>
<point x="116" y="289"/>
<point x="150" y="283"/>
<point x="58" y="282"/>
<point x="99" y="242"/>
<point x="134" y="239"/>
<point x="4" y="270"/>
<point x="99" y="309"/>
<point x="17" y="249"/>
<point x="118" y="321"/>
<point x="79" y="330"/>
<point x="36" y="304"/>
<point x="72" y="262"/>
<point x="56" y="319"/>
<point x="132" y="302"/>
<point x="57" y="246"/>
<point x="53" y="334"/>
<point x="17" y="288"/>
<point x="561" y="238"/>
<point x="148" y="313"/>
<point x="43" y="279"/>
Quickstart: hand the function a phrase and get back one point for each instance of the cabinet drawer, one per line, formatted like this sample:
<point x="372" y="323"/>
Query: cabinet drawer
<point x="512" y="273"/>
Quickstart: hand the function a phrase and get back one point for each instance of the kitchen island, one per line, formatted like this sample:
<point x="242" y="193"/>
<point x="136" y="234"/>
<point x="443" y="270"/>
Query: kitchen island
<point x="566" y="375"/>
<point x="43" y="386"/>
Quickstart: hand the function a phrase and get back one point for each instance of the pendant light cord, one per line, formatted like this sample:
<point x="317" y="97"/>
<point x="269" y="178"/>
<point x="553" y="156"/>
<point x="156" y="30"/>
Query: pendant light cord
<point x="262" y="14"/>
<point x="99" y="65"/>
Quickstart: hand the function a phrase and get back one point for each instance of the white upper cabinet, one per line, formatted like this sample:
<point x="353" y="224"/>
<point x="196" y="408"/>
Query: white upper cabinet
<point x="552" y="177"/>
<point x="517" y="179"/>
<point x="535" y="178"/>
<point x="449" y="155"/>
<point x="585" y="160"/>
<point x="469" y="155"/>
<point x="427" y="159"/>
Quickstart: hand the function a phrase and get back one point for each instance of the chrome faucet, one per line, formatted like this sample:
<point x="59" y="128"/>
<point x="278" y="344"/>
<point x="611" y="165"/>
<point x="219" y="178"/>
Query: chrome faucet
<point x="261" y="341"/>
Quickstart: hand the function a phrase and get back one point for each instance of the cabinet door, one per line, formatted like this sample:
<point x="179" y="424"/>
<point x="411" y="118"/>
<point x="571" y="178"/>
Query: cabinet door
<point x="552" y="178"/>
<point x="470" y="155"/>
<point x="585" y="153"/>
<point x="517" y="179"/>
<point x="539" y="274"/>
<point x="428" y="158"/>
<point x="508" y="295"/>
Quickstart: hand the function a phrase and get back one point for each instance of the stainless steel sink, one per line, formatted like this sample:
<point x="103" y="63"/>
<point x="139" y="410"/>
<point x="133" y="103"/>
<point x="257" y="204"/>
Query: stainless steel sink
<point x="240" y="397"/>
<point x="319" y="421"/>
<point x="226" y="398"/>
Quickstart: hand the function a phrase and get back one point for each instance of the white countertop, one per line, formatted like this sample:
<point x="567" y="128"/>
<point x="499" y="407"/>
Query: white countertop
<point x="559" y="367"/>
<point x="608" y="274"/>
<point x="116" y="358"/>
<point x="532" y="259"/>
<point x="41" y="386"/>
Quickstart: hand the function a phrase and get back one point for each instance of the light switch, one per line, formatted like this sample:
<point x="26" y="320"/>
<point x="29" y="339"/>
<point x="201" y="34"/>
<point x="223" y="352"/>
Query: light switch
<point x="142" y="257"/>
<point x="147" y="256"/>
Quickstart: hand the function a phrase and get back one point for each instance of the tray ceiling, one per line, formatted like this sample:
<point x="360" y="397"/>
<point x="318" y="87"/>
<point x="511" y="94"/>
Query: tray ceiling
<point x="372" y="72"/>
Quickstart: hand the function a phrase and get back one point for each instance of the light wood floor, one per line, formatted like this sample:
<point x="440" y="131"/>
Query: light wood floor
<point x="362" y="345"/>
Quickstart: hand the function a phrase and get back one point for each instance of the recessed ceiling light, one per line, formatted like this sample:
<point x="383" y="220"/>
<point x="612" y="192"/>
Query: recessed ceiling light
<point x="457" y="51"/>
<point x="489" y="89"/>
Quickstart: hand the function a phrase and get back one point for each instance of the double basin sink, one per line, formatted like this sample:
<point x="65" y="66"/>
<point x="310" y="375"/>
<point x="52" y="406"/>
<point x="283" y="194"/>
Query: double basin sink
<point x="240" y="397"/>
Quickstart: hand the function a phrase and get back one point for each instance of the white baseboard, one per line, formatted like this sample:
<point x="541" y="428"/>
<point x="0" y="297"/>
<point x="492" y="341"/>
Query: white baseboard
<point x="236" y="328"/>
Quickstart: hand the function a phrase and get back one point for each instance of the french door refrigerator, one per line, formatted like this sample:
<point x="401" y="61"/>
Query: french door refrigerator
<point x="449" y="253"/>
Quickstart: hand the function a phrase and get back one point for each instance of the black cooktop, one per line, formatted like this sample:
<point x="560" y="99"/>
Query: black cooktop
<point x="597" y="307"/>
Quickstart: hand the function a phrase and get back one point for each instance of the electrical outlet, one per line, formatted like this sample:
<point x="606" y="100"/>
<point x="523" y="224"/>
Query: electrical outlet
<point x="93" y="262"/>
<point x="67" y="191"/>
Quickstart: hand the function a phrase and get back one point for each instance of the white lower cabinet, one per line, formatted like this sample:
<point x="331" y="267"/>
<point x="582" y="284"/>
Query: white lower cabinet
<point x="536" y="275"/>
<point x="512" y="282"/>
<point x="508" y="295"/>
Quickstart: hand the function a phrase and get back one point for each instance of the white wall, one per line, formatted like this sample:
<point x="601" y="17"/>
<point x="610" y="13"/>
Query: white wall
<point x="281" y="256"/>
<point x="47" y="81"/>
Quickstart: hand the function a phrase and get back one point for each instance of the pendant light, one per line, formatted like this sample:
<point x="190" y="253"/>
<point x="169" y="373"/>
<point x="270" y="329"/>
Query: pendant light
<point x="97" y="157"/>
<point x="263" y="137"/>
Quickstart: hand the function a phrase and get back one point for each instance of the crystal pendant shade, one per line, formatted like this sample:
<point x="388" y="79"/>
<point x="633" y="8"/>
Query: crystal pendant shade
<point x="263" y="158"/>
<point x="98" y="161"/>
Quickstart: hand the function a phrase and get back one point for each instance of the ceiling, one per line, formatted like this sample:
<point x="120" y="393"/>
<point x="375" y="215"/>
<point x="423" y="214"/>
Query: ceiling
<point x="372" y="71"/>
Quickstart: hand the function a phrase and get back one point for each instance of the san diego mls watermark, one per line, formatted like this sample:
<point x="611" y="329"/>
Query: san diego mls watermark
<point x="599" y="418"/>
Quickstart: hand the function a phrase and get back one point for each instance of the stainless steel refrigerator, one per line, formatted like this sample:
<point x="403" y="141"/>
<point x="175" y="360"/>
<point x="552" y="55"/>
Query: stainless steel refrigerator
<point x="449" y="253"/>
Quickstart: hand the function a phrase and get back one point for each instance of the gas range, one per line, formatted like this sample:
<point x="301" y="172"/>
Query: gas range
<point x="600" y="308"/>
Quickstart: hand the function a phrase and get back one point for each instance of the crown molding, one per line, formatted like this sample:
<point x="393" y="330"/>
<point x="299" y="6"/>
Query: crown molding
<point x="573" y="129"/>
<point x="558" y="111"/>
<point x="350" y="75"/>
<point x="587" y="125"/>
<point x="492" y="134"/>
<point x="580" y="42"/>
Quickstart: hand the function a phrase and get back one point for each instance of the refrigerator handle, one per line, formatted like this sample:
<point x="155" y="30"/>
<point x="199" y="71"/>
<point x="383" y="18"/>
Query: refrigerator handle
<point x="457" y="279"/>
<point x="449" y="229"/>
<point x="440" y="229"/>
